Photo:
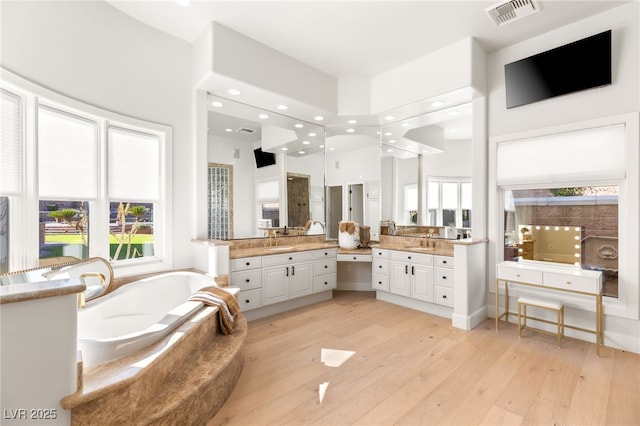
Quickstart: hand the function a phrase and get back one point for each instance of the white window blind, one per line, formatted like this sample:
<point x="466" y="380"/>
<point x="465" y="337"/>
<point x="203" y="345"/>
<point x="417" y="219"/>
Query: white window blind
<point x="10" y="144"/>
<point x="465" y="195"/>
<point x="450" y="195"/>
<point x="434" y="195"/>
<point x="67" y="155"/>
<point x="597" y="153"/>
<point x="267" y="190"/>
<point x="134" y="165"/>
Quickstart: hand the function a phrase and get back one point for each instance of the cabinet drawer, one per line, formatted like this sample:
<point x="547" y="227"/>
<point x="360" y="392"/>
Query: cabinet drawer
<point x="354" y="258"/>
<point x="380" y="266"/>
<point x="284" y="259"/>
<point x="250" y="299"/>
<point x="380" y="253"/>
<point x="380" y="282"/>
<point x="404" y="256"/>
<point x="325" y="282"/>
<point x="519" y="274"/>
<point x="443" y="296"/>
<point x="325" y="254"/>
<point x="247" y="280"/>
<point x="571" y="282"/>
<point x="443" y="277"/>
<point x="443" y="261"/>
<point x="324" y="266"/>
<point x="244" y="263"/>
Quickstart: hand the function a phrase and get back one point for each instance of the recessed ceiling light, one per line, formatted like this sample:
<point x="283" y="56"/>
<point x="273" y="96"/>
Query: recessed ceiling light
<point x="318" y="118"/>
<point x="311" y="134"/>
<point x="234" y="92"/>
<point x="452" y="130"/>
<point x="437" y="103"/>
<point x="392" y="141"/>
<point x="300" y="152"/>
<point x="406" y="124"/>
<point x="284" y="148"/>
<point x="321" y="146"/>
<point x="332" y="149"/>
<point x="352" y="121"/>
<point x="228" y="130"/>
<point x="263" y="116"/>
<point x="389" y="117"/>
<point x="305" y="142"/>
<point x="183" y="2"/>
<point x="299" y="126"/>
<point x="390" y="150"/>
<point x="351" y="130"/>
<point x="388" y="134"/>
<point x="216" y="104"/>
<point x="282" y="107"/>
<point x="454" y="112"/>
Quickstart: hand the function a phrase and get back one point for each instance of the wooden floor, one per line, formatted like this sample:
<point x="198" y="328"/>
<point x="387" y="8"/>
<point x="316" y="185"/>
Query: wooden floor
<point x="411" y="368"/>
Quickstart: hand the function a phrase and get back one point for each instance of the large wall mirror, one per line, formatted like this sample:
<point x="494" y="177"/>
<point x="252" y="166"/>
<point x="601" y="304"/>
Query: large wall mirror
<point x="266" y="171"/>
<point x="426" y="169"/>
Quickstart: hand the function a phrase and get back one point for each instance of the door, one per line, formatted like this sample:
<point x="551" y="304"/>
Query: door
<point x="301" y="279"/>
<point x="275" y="284"/>
<point x="422" y="282"/>
<point x="400" y="279"/>
<point x="334" y="210"/>
<point x="356" y="212"/>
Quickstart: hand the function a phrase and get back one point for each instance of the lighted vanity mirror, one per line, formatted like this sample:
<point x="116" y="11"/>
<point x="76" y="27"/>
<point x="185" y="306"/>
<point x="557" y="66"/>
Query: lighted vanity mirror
<point x="266" y="171"/>
<point x="548" y="243"/>
<point x="426" y="165"/>
<point x="95" y="272"/>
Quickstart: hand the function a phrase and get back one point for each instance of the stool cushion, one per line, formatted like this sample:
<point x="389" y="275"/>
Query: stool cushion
<point x="542" y="303"/>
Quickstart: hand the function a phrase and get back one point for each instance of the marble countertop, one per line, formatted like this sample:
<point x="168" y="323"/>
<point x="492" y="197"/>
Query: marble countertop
<point x="281" y="248"/>
<point x="39" y="290"/>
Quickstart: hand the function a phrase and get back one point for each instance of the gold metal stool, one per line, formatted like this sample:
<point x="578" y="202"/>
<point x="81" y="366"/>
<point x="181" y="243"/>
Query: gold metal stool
<point x="558" y="307"/>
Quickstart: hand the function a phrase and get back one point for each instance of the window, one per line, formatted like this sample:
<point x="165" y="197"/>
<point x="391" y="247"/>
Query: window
<point x="81" y="182"/>
<point x="411" y="204"/>
<point x="449" y="203"/>
<point x="575" y="225"/>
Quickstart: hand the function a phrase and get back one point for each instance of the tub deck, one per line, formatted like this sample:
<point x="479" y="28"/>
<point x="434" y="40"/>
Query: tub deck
<point x="195" y="366"/>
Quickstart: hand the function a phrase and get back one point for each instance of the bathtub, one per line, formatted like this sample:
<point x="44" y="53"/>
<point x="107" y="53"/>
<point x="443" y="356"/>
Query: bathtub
<point x="136" y="315"/>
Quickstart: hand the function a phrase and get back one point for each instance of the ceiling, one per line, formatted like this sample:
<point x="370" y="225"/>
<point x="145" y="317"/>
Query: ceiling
<point x="357" y="39"/>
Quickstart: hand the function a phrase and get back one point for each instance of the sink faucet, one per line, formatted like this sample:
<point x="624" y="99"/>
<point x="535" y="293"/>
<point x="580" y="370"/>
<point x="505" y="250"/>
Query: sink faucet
<point x="424" y="242"/>
<point x="273" y="235"/>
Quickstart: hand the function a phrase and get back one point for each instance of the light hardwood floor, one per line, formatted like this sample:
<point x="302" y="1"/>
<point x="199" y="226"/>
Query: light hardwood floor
<point x="411" y="368"/>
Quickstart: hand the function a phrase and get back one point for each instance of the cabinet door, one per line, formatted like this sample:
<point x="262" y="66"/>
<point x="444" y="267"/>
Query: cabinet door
<point x="422" y="282"/>
<point x="400" y="279"/>
<point x="275" y="284"/>
<point x="301" y="279"/>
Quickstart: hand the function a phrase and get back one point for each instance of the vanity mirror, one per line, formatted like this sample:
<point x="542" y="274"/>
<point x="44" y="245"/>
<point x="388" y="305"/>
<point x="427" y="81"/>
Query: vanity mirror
<point x="426" y="169"/>
<point x="266" y="170"/>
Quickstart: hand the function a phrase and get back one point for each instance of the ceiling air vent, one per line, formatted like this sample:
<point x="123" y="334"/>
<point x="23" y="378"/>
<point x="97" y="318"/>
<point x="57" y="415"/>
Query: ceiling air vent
<point x="245" y="130"/>
<point x="506" y="12"/>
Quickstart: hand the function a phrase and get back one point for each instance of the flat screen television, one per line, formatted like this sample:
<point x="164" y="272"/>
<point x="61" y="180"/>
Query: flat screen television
<point x="264" y="159"/>
<point x="581" y="65"/>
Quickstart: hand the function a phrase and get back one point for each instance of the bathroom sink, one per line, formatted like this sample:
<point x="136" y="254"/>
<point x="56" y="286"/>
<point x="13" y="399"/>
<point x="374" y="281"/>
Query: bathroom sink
<point x="280" y="248"/>
<point x="422" y="249"/>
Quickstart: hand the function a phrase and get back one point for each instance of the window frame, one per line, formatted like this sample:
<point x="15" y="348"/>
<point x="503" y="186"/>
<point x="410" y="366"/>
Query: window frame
<point x="440" y="181"/>
<point x="23" y="208"/>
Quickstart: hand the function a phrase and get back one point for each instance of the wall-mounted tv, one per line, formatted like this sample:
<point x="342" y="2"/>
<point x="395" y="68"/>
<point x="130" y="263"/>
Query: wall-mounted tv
<point x="264" y="159"/>
<point x="583" y="64"/>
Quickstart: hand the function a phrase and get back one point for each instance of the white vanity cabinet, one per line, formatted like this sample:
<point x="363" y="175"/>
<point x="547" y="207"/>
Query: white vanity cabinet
<point x="443" y="280"/>
<point x="411" y="275"/>
<point x="380" y="269"/>
<point x="286" y="276"/>
<point x="246" y="273"/>
<point x="325" y="270"/>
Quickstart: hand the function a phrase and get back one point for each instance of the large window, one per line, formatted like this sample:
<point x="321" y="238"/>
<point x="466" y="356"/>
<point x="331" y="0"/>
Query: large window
<point x="78" y="182"/>
<point x="576" y="226"/>
<point x="449" y="203"/>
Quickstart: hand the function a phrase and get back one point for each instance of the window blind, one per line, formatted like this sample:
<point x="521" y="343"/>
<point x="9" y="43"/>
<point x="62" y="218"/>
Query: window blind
<point x="584" y="155"/>
<point x="134" y="165"/>
<point x="267" y="190"/>
<point x="67" y="155"/>
<point x="466" y="195"/>
<point x="10" y="143"/>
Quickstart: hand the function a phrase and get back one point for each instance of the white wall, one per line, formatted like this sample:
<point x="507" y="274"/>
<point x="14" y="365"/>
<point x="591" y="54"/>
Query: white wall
<point x="92" y="52"/>
<point x="454" y="161"/>
<point x="619" y="102"/>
